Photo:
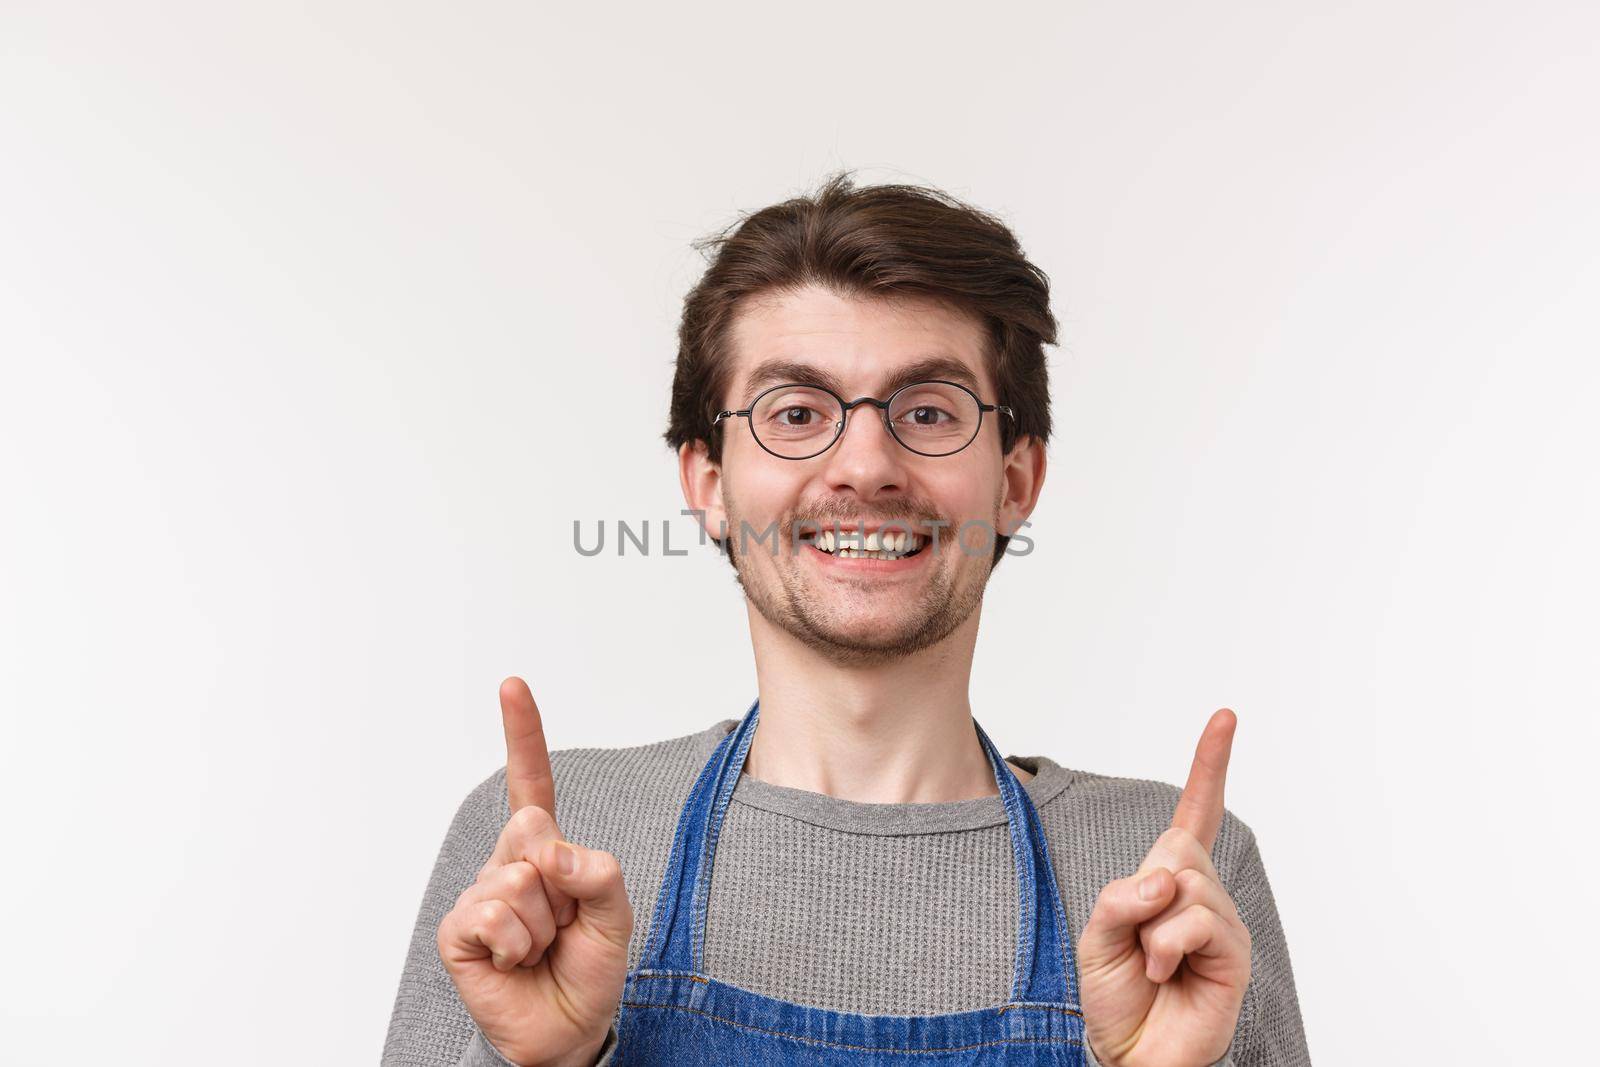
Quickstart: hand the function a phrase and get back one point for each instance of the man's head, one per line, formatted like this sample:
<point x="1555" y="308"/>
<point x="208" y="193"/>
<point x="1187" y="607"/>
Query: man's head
<point x="864" y="290"/>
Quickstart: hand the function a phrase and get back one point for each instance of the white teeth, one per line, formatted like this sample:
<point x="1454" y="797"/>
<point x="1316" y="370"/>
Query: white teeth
<point x="880" y="544"/>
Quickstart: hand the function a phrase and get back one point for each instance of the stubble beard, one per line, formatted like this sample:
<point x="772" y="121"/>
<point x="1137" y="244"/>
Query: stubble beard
<point x="947" y="600"/>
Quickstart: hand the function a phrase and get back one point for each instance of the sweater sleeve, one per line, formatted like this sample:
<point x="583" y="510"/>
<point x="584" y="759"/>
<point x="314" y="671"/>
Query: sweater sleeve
<point x="480" y="1053"/>
<point x="1270" y="1031"/>
<point x="429" y="1025"/>
<point x="1090" y="1061"/>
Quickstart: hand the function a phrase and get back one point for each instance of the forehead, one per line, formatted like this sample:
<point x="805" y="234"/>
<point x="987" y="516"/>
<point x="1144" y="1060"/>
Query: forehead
<point x="861" y="345"/>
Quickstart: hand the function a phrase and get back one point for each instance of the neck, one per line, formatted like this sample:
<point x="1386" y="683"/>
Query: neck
<point x="893" y="733"/>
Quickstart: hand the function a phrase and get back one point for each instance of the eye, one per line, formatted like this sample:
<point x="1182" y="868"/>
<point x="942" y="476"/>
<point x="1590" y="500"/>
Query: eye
<point x="934" y="414"/>
<point x="927" y="415"/>
<point x="796" y="412"/>
<point x="796" y="415"/>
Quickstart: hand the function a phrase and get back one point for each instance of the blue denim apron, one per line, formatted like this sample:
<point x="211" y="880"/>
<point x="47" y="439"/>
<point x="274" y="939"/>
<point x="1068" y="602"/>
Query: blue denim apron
<point x="672" y="1012"/>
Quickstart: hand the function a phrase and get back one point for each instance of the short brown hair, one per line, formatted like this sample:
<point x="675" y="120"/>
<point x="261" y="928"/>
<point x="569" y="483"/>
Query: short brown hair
<point x="877" y="240"/>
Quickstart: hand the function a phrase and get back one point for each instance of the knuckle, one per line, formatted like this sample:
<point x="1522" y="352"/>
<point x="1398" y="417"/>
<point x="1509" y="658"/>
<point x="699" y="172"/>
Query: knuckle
<point x="1178" y="840"/>
<point x="521" y="877"/>
<point x="1203" y="918"/>
<point x="606" y="867"/>
<point x="1192" y="881"/>
<point x="532" y="820"/>
<point x="463" y="905"/>
<point x="543" y="928"/>
<point x="1112" y="895"/>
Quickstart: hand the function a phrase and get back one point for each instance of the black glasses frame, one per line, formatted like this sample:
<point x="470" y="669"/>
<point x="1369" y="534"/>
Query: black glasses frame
<point x="847" y="406"/>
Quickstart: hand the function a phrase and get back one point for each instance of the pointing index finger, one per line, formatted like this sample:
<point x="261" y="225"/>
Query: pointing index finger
<point x="528" y="777"/>
<point x="1200" y="807"/>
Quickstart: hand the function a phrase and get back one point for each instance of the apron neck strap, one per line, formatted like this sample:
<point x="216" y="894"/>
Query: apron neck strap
<point x="1045" y="972"/>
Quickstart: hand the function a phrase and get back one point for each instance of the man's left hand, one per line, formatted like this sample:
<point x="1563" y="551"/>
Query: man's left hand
<point x="1164" y="960"/>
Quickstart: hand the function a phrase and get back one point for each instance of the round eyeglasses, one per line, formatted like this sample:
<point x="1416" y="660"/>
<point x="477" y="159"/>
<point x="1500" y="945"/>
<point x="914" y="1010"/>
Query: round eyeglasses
<point x="932" y="418"/>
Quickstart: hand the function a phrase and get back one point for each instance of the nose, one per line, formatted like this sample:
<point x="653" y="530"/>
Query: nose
<point x="866" y="459"/>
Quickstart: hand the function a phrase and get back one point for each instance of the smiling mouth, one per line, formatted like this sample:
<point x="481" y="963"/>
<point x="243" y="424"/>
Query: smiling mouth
<point x="850" y="544"/>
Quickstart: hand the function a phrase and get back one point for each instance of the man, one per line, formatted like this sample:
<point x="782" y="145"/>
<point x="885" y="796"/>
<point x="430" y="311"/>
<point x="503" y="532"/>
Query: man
<point x="860" y="411"/>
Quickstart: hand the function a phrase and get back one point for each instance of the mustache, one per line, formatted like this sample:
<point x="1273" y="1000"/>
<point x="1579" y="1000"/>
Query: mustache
<point x="826" y="515"/>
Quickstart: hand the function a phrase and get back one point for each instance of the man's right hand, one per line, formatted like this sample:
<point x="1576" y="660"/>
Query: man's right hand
<point x="538" y="950"/>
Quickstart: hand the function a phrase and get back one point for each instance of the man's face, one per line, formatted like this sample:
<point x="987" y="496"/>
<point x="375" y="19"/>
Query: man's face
<point x="862" y="609"/>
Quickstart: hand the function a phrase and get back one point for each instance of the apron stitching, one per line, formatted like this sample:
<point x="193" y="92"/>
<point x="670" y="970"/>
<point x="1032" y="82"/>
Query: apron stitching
<point x="640" y="976"/>
<point x="861" y="1048"/>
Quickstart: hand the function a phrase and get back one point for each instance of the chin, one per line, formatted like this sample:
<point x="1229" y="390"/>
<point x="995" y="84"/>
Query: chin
<point x="864" y="636"/>
<point x="882" y="620"/>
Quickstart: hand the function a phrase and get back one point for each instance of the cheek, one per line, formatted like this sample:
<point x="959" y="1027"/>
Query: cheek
<point x="965" y="495"/>
<point x="761" y="495"/>
<point x="969" y="502"/>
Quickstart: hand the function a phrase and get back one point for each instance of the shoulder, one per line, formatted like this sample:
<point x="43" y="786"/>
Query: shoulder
<point x="599" y="790"/>
<point x="607" y="784"/>
<point x="1111" y="822"/>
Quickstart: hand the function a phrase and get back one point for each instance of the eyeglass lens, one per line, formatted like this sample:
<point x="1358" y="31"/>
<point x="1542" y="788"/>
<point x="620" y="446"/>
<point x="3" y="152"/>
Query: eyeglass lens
<point x="932" y="418"/>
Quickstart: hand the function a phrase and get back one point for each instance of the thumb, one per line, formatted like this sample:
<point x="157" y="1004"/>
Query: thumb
<point x="593" y="879"/>
<point x="1121" y="907"/>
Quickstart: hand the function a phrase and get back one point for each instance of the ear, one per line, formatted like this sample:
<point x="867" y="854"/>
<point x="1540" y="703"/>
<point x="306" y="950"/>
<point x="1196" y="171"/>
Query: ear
<point x="702" y="487"/>
<point x="1022" y="478"/>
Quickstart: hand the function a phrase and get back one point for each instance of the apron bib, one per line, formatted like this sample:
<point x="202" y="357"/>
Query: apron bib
<point x="674" y="1013"/>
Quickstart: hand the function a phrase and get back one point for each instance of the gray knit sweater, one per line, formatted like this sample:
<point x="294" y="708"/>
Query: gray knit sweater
<point x="921" y="919"/>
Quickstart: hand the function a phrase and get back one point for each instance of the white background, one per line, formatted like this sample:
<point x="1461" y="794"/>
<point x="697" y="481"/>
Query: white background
<point x="320" y="328"/>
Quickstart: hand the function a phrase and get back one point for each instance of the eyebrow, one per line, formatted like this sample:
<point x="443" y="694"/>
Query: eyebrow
<point x="789" y="371"/>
